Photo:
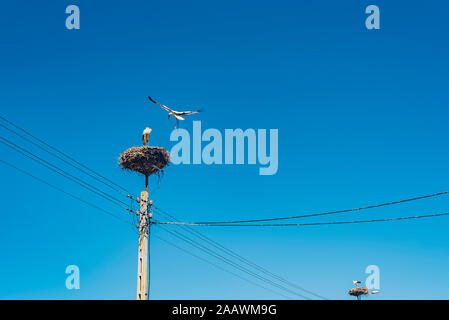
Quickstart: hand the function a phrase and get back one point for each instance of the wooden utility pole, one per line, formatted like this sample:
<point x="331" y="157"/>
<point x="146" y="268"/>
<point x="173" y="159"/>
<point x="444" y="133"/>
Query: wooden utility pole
<point x="145" y="160"/>
<point x="144" y="236"/>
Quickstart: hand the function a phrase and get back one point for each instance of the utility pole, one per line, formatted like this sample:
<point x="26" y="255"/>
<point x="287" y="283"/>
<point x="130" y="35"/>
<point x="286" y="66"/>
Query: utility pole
<point x="145" y="160"/>
<point x="145" y="216"/>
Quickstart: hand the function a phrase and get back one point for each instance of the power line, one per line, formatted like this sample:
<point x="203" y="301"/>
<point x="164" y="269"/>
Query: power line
<point x="62" y="172"/>
<point x="61" y="153"/>
<point x="300" y="224"/>
<point x="219" y="267"/>
<point x="230" y="262"/>
<point x="64" y="160"/>
<point x="325" y="213"/>
<point x="65" y="192"/>
<point x="237" y="256"/>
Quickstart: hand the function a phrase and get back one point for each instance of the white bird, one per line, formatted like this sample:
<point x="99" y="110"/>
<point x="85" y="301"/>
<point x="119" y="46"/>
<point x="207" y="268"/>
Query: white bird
<point x="356" y="282"/>
<point x="146" y="135"/>
<point x="174" y="113"/>
<point x="374" y="292"/>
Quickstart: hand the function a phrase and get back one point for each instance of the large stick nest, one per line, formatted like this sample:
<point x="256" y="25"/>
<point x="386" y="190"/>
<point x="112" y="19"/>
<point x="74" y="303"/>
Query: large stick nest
<point x="358" y="291"/>
<point x="145" y="160"/>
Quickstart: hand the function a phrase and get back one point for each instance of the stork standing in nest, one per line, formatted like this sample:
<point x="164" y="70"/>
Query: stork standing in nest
<point x="177" y="114"/>
<point x="146" y="135"/>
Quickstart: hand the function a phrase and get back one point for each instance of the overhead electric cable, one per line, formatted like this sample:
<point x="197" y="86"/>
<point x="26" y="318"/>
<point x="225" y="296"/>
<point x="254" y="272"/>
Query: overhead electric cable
<point x="300" y="224"/>
<point x="64" y="160"/>
<point x="62" y="172"/>
<point x="219" y="267"/>
<point x="325" y="213"/>
<point x="61" y="153"/>
<point x="65" y="192"/>
<point x="238" y="256"/>
<point x="230" y="262"/>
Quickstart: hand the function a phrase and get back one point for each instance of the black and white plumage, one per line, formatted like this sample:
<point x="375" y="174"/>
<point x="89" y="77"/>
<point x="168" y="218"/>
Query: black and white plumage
<point x="177" y="114"/>
<point x="146" y="135"/>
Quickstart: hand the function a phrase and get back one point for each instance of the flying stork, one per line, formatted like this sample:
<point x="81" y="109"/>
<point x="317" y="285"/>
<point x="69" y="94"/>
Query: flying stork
<point x="174" y="113"/>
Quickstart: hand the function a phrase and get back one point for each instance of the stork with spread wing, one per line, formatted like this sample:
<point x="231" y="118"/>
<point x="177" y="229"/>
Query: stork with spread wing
<point x="177" y="114"/>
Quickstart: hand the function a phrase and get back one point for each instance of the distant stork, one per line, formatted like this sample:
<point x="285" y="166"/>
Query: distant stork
<point x="374" y="292"/>
<point x="356" y="282"/>
<point x="146" y="135"/>
<point x="174" y="113"/>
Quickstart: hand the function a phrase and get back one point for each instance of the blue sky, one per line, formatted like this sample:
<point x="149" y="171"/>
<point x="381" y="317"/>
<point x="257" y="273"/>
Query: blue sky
<point x="362" y="118"/>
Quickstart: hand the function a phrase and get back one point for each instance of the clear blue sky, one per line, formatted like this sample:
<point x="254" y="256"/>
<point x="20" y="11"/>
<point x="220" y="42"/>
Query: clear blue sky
<point x="362" y="118"/>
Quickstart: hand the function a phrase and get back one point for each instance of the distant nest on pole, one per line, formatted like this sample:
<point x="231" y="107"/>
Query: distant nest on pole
<point x="145" y="160"/>
<point x="358" y="291"/>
